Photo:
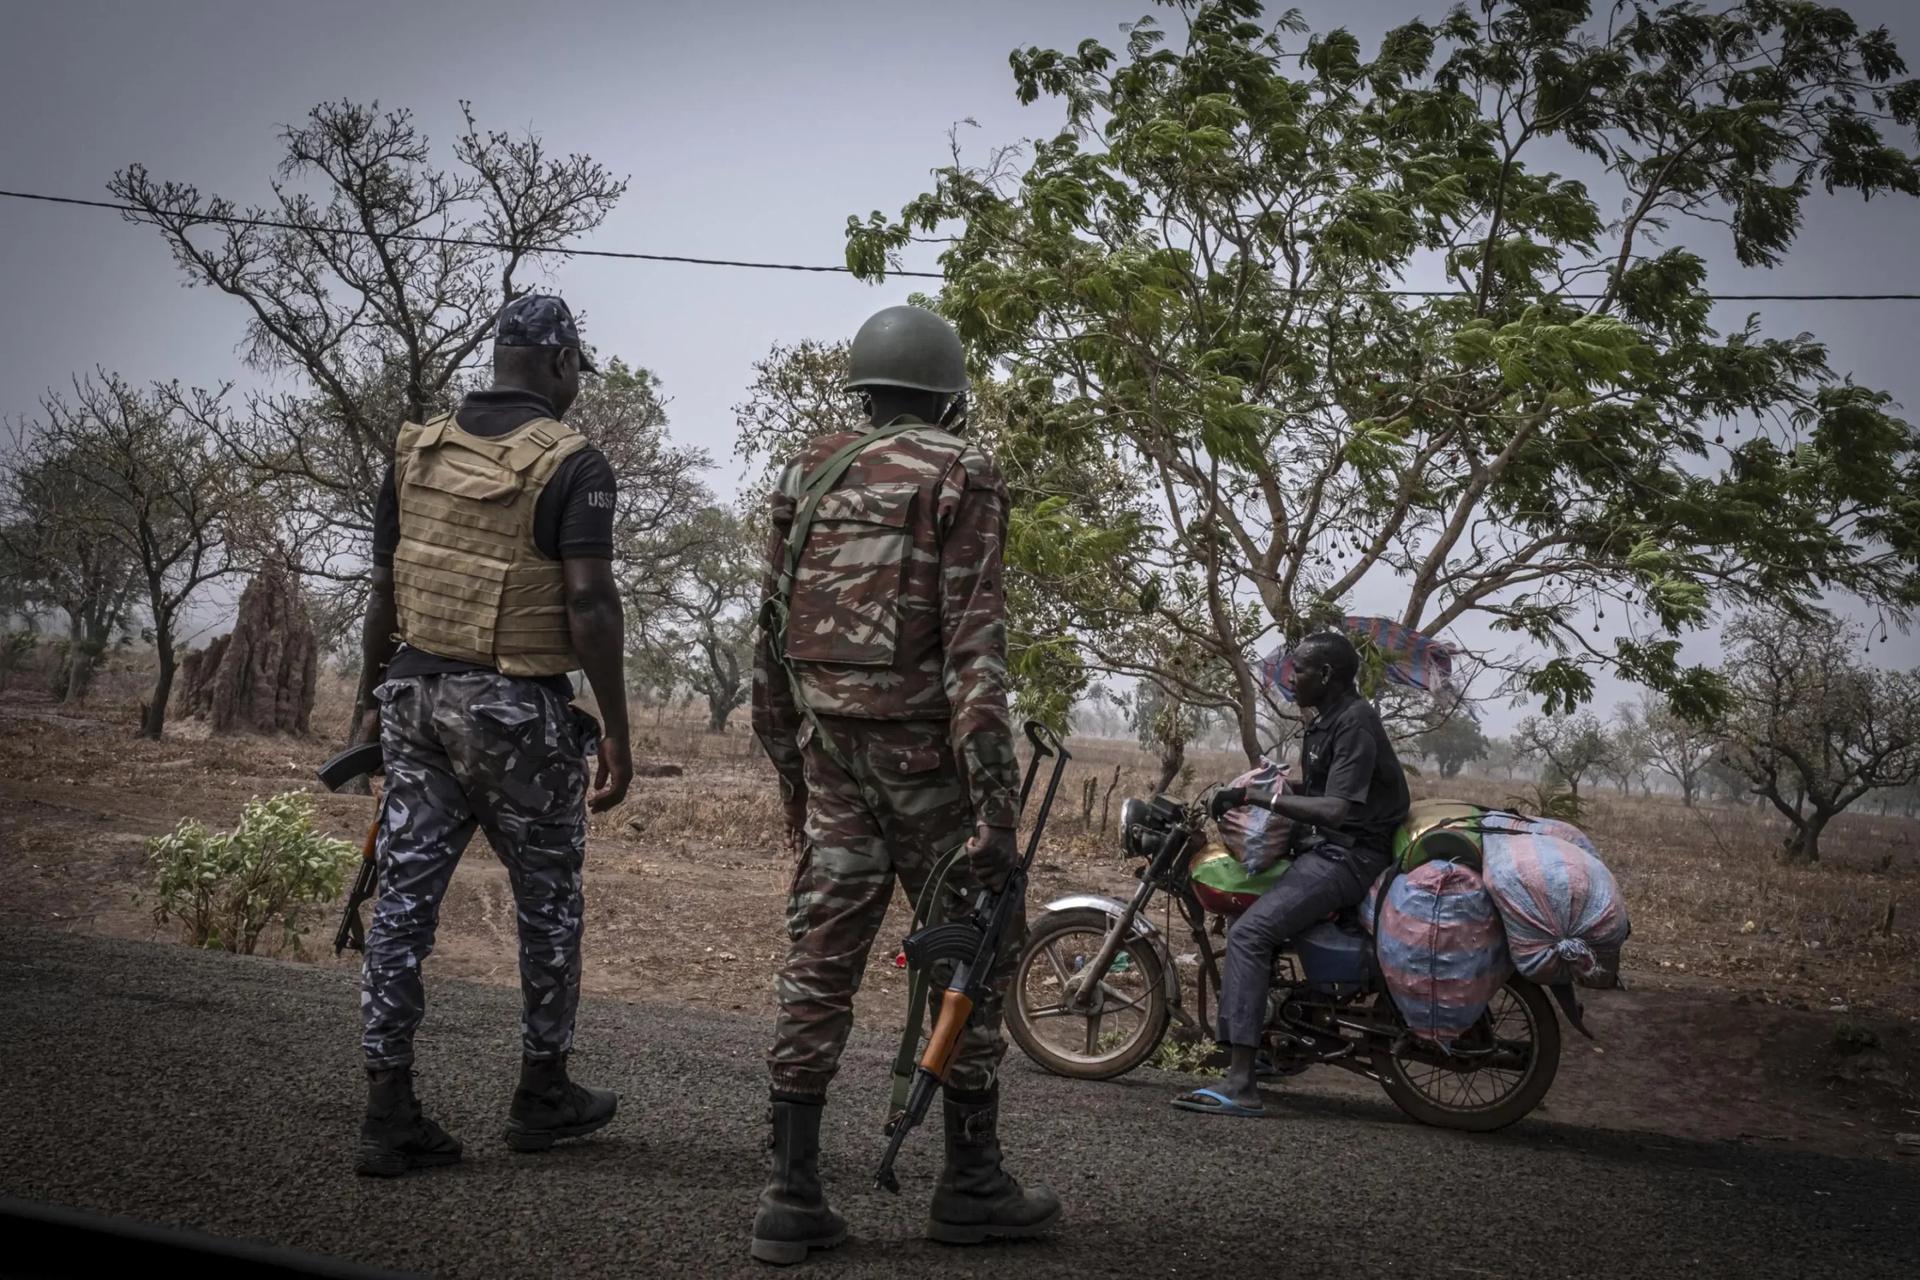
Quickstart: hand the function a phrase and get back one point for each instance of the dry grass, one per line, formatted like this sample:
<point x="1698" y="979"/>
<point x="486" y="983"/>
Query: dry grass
<point x="1711" y="904"/>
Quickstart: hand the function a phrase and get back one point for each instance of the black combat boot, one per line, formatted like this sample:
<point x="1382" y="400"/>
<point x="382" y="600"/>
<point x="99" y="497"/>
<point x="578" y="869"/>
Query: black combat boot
<point x="395" y="1137"/>
<point x="978" y="1200"/>
<point x="548" y="1106"/>
<point x="793" y="1216"/>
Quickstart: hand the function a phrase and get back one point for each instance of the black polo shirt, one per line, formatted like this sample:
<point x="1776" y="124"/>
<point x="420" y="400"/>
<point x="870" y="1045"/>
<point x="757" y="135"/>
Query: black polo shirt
<point x="573" y="518"/>
<point x="1347" y="754"/>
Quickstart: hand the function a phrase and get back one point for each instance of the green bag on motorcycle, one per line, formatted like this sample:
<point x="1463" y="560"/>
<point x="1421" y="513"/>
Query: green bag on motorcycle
<point x="1222" y="885"/>
<point x="1447" y="830"/>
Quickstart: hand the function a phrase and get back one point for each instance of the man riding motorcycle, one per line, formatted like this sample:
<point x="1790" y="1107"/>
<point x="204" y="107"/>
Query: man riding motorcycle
<point x="1353" y="799"/>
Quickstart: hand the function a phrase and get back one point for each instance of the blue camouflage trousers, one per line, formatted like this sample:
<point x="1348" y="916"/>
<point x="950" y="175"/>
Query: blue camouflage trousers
<point x="506" y="755"/>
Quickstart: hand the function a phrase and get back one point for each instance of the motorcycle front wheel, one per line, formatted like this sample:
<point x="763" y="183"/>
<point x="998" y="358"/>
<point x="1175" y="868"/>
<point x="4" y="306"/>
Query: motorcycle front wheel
<point x="1098" y="1038"/>
<point x="1498" y="1072"/>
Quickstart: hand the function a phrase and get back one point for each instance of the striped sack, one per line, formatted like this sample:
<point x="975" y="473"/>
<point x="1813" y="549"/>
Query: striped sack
<point x="1565" y="917"/>
<point x="1258" y="837"/>
<point x="1441" y="947"/>
<point x="1507" y="820"/>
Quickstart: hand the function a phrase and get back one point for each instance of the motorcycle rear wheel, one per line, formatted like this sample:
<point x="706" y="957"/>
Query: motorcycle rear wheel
<point x="1479" y="1101"/>
<point x="1036" y="1007"/>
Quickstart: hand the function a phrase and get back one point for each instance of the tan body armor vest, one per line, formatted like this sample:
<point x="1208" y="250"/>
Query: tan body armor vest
<point x="469" y="582"/>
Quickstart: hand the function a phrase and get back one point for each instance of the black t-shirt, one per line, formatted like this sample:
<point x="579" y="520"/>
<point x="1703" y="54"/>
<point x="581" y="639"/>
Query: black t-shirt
<point x="573" y="519"/>
<point x="1347" y="754"/>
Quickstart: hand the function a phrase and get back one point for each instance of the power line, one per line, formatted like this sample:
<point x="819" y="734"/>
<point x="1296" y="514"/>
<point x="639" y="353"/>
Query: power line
<point x="420" y="238"/>
<point x="458" y="242"/>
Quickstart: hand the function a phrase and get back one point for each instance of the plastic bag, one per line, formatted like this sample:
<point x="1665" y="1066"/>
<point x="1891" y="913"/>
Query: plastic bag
<point x="1257" y="836"/>
<point x="1564" y="915"/>
<point x="1442" y="951"/>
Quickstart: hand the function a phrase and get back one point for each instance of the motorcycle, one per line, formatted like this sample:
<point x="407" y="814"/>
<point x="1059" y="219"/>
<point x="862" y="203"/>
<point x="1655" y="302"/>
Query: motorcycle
<point x="1098" y="988"/>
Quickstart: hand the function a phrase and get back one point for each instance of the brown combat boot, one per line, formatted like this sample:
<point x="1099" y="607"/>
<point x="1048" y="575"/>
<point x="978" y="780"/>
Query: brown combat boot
<point x="794" y="1216"/>
<point x="978" y="1200"/>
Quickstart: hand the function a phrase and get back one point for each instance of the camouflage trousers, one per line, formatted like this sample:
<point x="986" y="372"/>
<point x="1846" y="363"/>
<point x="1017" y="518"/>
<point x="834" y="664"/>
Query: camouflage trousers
<point x="506" y="755"/>
<point x="855" y="851"/>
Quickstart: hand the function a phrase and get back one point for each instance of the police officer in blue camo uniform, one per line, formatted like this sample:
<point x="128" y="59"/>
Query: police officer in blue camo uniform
<point x="492" y="581"/>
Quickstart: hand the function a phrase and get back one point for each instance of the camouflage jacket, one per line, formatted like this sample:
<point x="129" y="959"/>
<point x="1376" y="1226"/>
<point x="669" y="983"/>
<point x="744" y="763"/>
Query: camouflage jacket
<point x="897" y="610"/>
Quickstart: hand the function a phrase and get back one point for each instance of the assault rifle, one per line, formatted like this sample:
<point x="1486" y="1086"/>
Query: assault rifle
<point x="356" y="762"/>
<point x="971" y="943"/>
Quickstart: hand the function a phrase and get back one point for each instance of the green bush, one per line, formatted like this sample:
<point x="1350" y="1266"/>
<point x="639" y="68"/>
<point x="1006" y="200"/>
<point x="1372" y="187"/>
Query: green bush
<point x="228" y="887"/>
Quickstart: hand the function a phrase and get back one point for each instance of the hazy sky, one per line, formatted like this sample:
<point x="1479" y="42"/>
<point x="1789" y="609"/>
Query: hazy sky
<point x="749" y="130"/>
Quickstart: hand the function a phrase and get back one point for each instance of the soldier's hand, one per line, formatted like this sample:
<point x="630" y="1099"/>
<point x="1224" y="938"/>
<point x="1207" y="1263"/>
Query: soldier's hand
<point x="795" y="807"/>
<point x="991" y="853"/>
<point x="612" y="777"/>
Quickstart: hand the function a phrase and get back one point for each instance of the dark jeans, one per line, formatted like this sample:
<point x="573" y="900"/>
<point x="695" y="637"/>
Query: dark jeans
<point x="1320" y="882"/>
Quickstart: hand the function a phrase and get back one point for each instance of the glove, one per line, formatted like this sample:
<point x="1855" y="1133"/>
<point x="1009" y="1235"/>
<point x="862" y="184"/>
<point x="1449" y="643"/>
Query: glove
<point x="991" y="853"/>
<point x="1225" y="800"/>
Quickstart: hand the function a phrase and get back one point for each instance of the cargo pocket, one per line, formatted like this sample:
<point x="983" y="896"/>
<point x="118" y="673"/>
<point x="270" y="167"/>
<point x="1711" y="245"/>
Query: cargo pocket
<point x="846" y="593"/>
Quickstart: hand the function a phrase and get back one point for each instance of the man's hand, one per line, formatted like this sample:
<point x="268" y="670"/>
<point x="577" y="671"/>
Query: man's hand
<point x="795" y="807"/>
<point x="1225" y="800"/>
<point x="368" y="730"/>
<point x="613" y="777"/>
<point x="991" y="853"/>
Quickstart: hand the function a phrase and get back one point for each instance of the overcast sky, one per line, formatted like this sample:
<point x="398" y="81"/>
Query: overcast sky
<point x="749" y="130"/>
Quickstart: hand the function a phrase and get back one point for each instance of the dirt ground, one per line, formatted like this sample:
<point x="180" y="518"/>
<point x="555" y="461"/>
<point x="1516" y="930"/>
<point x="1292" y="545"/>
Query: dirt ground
<point x="1762" y="1004"/>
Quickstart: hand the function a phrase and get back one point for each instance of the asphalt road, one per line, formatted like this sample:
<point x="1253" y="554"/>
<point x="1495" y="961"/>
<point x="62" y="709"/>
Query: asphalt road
<point x="222" y="1094"/>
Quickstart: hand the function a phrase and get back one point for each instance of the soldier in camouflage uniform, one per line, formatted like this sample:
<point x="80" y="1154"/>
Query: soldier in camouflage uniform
<point x="880" y="695"/>
<point x="493" y="571"/>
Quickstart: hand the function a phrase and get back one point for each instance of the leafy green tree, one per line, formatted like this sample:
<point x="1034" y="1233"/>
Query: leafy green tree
<point x="1197" y="281"/>
<point x="702" y="640"/>
<point x="1453" y="738"/>
<point x="50" y="559"/>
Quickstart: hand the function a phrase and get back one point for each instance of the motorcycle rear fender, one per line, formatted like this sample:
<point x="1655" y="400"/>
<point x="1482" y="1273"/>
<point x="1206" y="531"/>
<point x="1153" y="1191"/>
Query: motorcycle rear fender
<point x="1143" y="930"/>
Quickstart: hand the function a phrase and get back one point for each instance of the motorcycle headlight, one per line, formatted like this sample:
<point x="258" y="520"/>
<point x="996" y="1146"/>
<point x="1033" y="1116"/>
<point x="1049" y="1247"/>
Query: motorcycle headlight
<point x="1136" y="828"/>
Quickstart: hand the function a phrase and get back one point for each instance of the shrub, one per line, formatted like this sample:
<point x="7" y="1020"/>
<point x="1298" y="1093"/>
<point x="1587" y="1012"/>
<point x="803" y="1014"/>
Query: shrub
<point x="228" y="887"/>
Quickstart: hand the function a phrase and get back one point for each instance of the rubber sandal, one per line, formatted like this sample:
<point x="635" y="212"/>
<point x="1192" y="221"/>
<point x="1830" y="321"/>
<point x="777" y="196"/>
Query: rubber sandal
<point x="1214" y="1102"/>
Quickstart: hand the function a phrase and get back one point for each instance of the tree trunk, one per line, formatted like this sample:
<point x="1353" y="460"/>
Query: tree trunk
<point x="1171" y="759"/>
<point x="1248" y="717"/>
<point x="156" y="717"/>
<point x="1803" y="845"/>
<point x="719" y="707"/>
<point x="79" y="664"/>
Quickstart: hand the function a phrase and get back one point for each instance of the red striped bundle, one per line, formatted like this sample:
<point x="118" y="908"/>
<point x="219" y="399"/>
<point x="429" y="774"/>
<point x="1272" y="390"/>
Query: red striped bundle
<point x="1565" y="916"/>
<point x="1441" y="948"/>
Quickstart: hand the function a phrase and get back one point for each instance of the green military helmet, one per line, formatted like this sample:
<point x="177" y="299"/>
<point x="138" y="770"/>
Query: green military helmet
<point x="907" y="347"/>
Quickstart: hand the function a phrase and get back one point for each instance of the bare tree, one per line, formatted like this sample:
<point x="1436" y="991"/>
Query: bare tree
<point x="1679" y="746"/>
<point x="1573" y="747"/>
<point x="796" y="394"/>
<point x="375" y="274"/>
<point x="1813" y="728"/>
<point x="1630" y="755"/>
<point x="148" y="480"/>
